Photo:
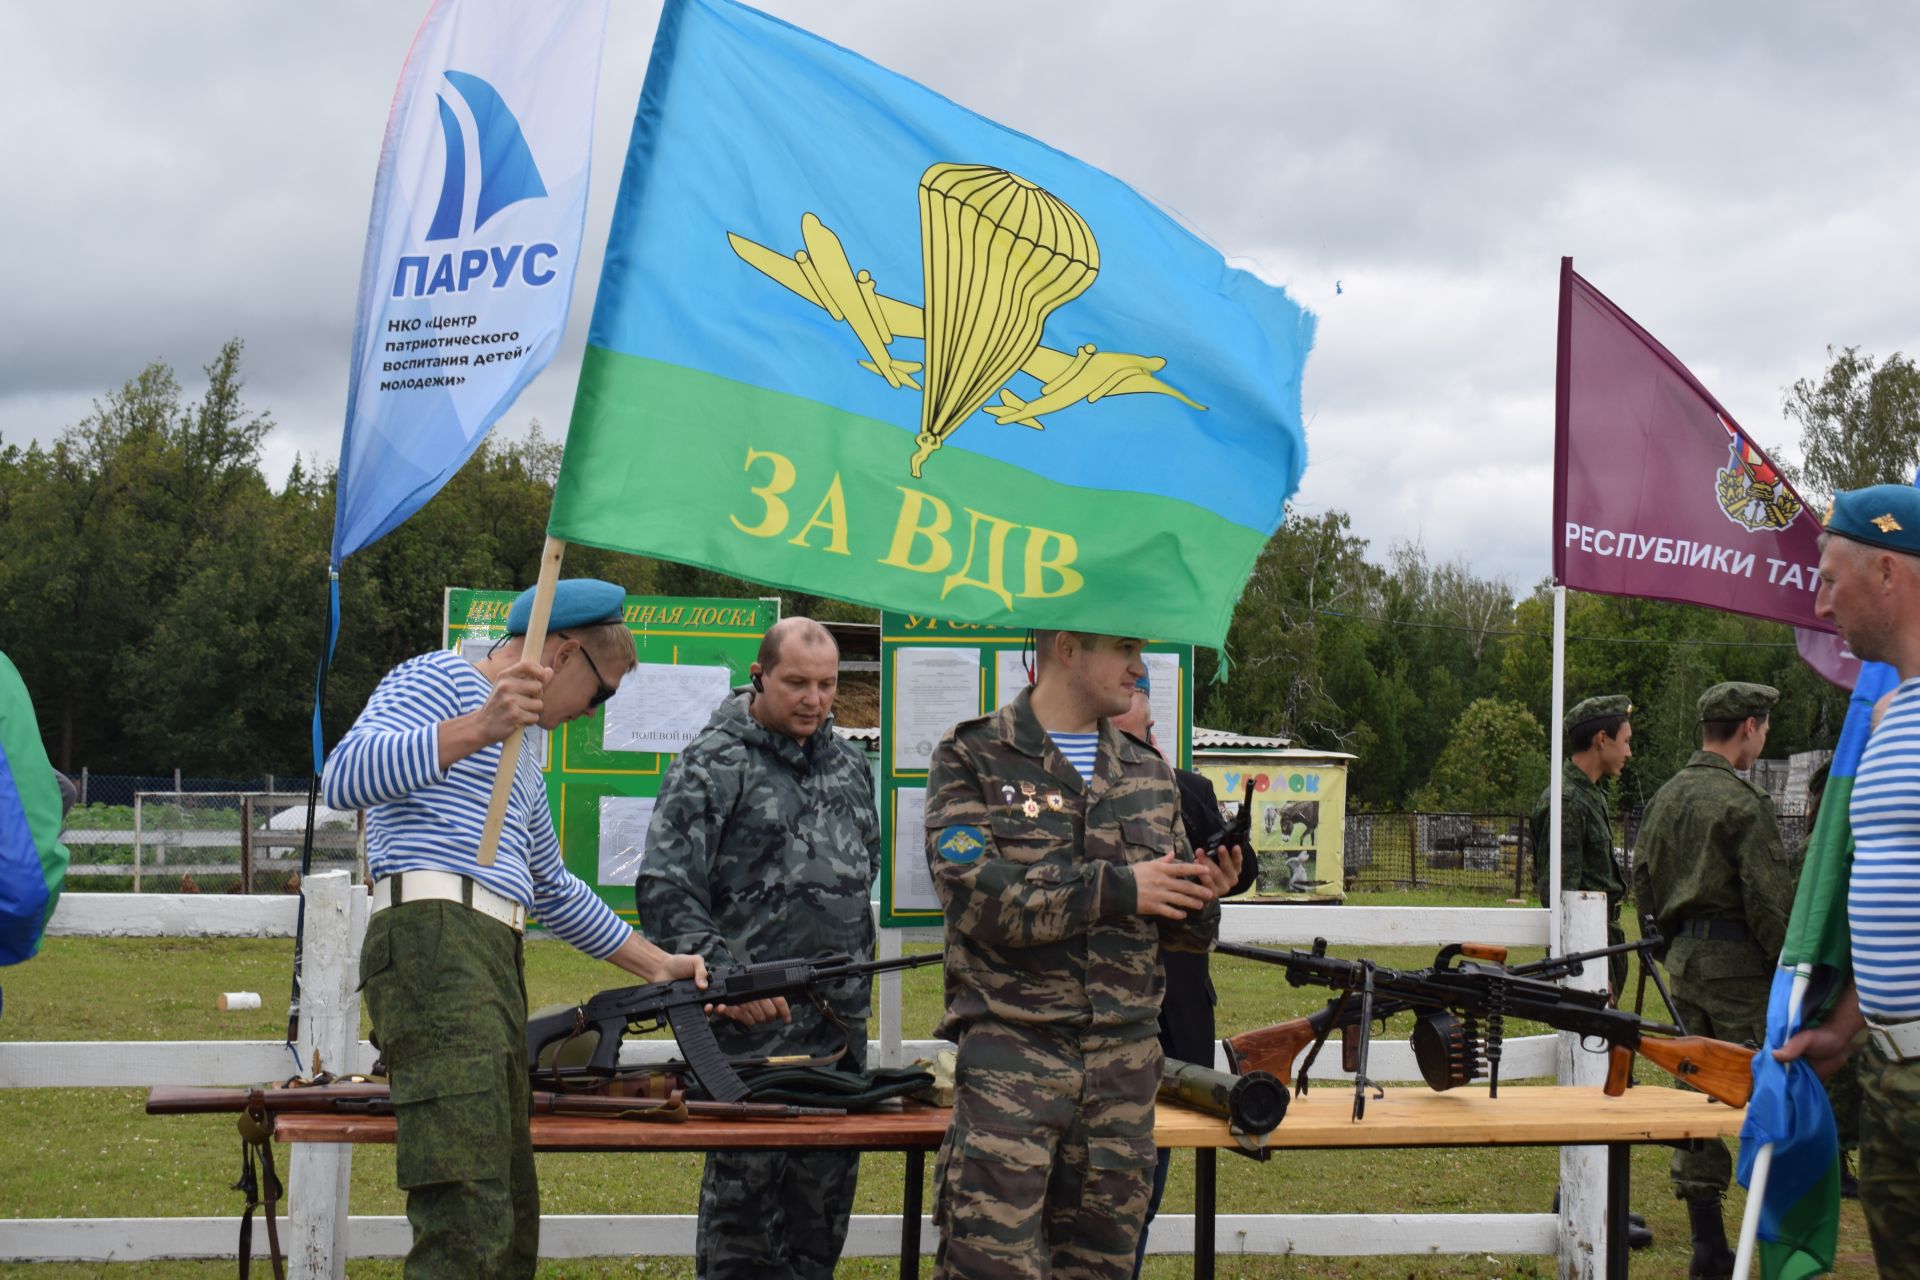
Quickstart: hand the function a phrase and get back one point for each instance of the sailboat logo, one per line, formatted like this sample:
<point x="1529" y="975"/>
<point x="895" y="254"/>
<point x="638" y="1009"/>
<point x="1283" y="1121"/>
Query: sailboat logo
<point x="507" y="173"/>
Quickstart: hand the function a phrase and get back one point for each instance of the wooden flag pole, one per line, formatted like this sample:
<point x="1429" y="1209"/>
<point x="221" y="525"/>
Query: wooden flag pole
<point x="510" y="749"/>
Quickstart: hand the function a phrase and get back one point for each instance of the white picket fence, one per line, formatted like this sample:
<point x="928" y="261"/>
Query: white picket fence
<point x="321" y="1235"/>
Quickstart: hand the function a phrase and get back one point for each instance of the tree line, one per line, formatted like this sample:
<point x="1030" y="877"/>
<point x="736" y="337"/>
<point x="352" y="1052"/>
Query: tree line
<point x="165" y="602"/>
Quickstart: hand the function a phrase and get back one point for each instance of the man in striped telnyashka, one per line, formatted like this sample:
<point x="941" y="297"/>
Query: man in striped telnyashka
<point x="1870" y="587"/>
<point x="442" y="965"/>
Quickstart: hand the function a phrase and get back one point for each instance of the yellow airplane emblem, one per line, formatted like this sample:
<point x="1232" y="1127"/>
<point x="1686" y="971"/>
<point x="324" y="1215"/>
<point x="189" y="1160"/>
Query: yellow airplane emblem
<point x="968" y="359"/>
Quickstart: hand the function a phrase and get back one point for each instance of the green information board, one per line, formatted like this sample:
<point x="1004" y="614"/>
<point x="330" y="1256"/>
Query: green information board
<point x="603" y="770"/>
<point x="933" y="675"/>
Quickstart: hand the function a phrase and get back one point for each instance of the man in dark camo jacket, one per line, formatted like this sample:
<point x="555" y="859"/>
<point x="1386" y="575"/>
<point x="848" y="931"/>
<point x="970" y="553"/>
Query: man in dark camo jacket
<point x="1060" y="888"/>
<point x="764" y="845"/>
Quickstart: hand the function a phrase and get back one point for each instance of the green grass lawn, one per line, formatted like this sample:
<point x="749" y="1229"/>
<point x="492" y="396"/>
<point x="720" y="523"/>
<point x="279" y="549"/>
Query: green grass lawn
<point x="94" y="1153"/>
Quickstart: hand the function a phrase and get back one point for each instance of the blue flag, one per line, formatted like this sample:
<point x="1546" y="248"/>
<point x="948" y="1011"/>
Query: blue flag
<point x="856" y="340"/>
<point x="477" y="212"/>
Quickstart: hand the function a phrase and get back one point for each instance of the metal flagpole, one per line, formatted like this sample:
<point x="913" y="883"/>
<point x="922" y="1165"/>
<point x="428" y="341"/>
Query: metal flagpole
<point x="1554" y="771"/>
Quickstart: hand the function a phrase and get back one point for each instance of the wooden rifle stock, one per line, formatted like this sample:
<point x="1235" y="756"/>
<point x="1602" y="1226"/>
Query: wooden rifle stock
<point x="1273" y="1049"/>
<point x="1722" y="1071"/>
<point x="1270" y="1049"/>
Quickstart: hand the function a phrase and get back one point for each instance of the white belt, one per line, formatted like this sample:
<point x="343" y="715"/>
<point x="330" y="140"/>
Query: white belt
<point x="1900" y="1042"/>
<point x="444" y="886"/>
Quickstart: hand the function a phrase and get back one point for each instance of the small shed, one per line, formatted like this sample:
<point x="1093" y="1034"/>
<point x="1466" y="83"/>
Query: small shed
<point x="1300" y="809"/>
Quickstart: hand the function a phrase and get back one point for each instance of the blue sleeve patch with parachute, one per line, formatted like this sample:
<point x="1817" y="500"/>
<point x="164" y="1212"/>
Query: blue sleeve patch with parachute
<point x="961" y="844"/>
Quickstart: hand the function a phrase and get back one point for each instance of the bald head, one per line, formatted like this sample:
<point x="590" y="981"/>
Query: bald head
<point x="793" y="634"/>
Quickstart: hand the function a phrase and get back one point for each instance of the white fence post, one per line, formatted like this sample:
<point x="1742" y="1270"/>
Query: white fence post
<point x="1583" y="1170"/>
<point x="319" y="1173"/>
<point x="889" y="1001"/>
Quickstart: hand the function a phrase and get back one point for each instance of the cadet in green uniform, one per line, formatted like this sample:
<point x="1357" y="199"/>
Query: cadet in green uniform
<point x="764" y="845"/>
<point x="1710" y="868"/>
<point x="1598" y="737"/>
<point x="1058" y="855"/>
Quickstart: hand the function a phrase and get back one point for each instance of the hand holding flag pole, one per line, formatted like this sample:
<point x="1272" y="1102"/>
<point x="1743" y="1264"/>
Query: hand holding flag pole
<point x="510" y="749"/>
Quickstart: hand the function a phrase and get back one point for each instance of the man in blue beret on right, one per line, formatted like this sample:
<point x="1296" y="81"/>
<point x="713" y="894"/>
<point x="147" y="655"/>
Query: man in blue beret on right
<point x="1870" y="588"/>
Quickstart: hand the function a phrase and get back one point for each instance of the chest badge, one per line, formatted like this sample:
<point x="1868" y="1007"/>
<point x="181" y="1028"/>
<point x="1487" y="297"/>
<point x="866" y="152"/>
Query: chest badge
<point x="1007" y="793"/>
<point x="1031" y="808"/>
<point x="1027" y="788"/>
<point x="1054" y="802"/>
<point x="961" y="844"/>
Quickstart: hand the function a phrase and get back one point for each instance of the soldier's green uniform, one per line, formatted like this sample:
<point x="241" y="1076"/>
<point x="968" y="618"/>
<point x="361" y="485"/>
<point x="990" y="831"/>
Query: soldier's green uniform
<point x="1053" y="987"/>
<point x="1709" y="866"/>
<point x="764" y="848"/>
<point x="1586" y="834"/>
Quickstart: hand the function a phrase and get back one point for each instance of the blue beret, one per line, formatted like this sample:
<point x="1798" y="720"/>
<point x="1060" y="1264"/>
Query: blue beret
<point x="1884" y="515"/>
<point x="1144" y="684"/>
<point x="577" y="602"/>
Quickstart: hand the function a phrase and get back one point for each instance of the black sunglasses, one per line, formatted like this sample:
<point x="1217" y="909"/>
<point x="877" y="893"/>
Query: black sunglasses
<point x="605" y="690"/>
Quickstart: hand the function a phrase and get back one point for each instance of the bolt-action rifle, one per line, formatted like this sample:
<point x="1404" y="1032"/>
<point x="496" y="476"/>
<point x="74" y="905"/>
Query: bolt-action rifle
<point x="682" y="1006"/>
<point x="1463" y="1002"/>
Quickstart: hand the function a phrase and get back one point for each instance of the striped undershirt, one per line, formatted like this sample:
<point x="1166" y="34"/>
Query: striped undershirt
<point x="1883" y="898"/>
<point x="420" y="819"/>
<point x="1080" y="749"/>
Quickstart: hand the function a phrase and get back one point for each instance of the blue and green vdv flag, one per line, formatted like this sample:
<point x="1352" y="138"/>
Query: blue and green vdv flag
<point x="1800" y="1204"/>
<point x="853" y="339"/>
<point x="33" y="862"/>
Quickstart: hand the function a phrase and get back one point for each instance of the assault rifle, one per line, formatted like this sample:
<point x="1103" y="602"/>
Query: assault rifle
<point x="1463" y="1002"/>
<point x="682" y="1006"/>
<point x="373" y="1099"/>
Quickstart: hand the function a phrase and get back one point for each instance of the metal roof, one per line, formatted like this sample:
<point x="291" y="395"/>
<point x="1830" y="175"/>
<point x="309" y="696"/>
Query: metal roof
<point x="1203" y="737"/>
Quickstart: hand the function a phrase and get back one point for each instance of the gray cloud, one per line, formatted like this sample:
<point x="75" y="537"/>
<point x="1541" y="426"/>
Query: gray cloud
<point x="1735" y="176"/>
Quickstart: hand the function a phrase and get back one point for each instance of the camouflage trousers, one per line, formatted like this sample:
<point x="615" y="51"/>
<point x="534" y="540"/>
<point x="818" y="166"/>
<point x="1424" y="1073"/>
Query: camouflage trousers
<point x="774" y="1213"/>
<point x="446" y="991"/>
<point x="1047" y="1168"/>
<point x="1843" y="1092"/>
<point x="1890" y="1160"/>
<point x="1733" y="1009"/>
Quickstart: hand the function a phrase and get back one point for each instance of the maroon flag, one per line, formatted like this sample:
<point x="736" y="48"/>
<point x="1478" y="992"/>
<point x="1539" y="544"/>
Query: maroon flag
<point x="1658" y="493"/>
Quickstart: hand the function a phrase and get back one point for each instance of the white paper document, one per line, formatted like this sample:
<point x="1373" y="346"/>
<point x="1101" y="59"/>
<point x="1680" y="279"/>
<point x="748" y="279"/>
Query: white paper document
<point x="1010" y="674"/>
<point x="1163" y="672"/>
<point x="934" y="689"/>
<point x="623" y="836"/>
<point x="475" y="648"/>
<point x="662" y="707"/>
<point x="912" y="882"/>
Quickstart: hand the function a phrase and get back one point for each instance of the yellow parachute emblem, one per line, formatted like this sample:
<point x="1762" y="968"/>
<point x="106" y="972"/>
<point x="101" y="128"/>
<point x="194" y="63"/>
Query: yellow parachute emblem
<point x="998" y="256"/>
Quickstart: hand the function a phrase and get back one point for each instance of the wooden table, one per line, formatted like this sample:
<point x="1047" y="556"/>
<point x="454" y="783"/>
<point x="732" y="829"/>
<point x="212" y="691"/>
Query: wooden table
<point x="1546" y="1115"/>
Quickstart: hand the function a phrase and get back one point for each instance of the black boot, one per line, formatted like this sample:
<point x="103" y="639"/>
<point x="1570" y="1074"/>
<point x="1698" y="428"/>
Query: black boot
<point x="1712" y="1260"/>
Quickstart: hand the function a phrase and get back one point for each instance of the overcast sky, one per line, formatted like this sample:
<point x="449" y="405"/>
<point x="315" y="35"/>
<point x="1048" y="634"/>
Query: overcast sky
<point x="1740" y="178"/>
